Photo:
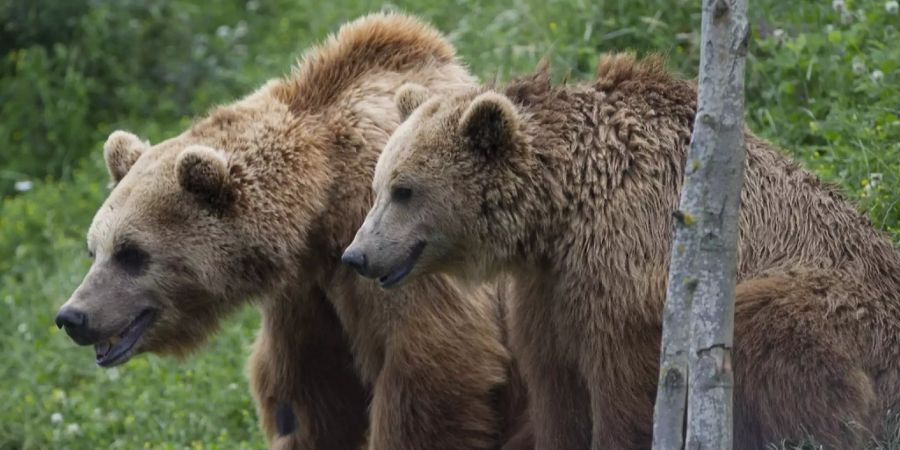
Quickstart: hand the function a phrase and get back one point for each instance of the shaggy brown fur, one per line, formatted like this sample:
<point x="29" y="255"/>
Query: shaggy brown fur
<point x="258" y="200"/>
<point x="571" y="190"/>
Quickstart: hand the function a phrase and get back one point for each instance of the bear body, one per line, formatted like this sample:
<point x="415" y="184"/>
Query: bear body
<point x="257" y="200"/>
<point x="571" y="191"/>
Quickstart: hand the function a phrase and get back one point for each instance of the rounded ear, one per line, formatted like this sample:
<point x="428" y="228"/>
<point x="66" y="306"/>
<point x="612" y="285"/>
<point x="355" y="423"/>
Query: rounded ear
<point x="121" y="150"/>
<point x="490" y="123"/>
<point x="203" y="171"/>
<point x="409" y="97"/>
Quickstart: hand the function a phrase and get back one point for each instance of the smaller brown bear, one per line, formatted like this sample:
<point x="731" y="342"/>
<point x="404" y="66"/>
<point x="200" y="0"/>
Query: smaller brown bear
<point x="571" y="190"/>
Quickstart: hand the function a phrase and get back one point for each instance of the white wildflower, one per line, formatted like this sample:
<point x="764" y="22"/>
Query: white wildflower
<point x="891" y="7"/>
<point x="252" y="5"/>
<point x="223" y="31"/>
<point x="873" y="182"/>
<point x="232" y="386"/>
<point x="846" y="17"/>
<point x="113" y="374"/>
<point x="23" y="186"/>
<point x="240" y="30"/>
<point x="23" y="328"/>
<point x="876" y="76"/>
<point x="859" y="66"/>
<point x="837" y="5"/>
<point x="56" y="418"/>
<point x="73" y="428"/>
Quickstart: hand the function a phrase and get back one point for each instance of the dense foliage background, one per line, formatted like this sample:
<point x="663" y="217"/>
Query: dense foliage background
<point x="823" y="83"/>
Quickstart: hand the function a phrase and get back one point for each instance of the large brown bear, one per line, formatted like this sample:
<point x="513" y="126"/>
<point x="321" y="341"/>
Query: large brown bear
<point x="257" y="200"/>
<point x="571" y="190"/>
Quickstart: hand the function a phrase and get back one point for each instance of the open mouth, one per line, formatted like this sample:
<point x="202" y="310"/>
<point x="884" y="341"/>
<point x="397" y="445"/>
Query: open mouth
<point x="118" y="349"/>
<point x="403" y="269"/>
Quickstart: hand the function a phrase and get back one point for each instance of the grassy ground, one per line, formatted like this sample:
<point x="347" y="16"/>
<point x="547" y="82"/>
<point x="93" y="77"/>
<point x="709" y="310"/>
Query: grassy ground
<point x="822" y="82"/>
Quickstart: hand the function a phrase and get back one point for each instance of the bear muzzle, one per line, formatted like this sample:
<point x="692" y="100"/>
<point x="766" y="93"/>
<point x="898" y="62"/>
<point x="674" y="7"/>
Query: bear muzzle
<point x="112" y="349"/>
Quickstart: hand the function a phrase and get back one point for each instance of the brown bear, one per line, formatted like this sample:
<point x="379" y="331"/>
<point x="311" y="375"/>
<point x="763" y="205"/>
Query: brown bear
<point x="571" y="191"/>
<point x="257" y="200"/>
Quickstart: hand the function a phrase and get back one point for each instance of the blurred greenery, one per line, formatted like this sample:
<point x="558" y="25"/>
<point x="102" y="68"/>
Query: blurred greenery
<point x="822" y="82"/>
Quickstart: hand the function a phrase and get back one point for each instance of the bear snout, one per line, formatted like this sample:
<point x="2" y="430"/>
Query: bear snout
<point x="75" y="322"/>
<point x="356" y="259"/>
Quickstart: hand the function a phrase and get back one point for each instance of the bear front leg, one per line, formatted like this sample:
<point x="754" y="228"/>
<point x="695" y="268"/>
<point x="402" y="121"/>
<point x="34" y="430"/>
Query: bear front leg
<point x="439" y="390"/>
<point x="560" y="410"/>
<point x="307" y="393"/>
<point x="622" y="395"/>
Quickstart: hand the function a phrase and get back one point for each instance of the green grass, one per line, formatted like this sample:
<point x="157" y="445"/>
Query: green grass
<point x="73" y="70"/>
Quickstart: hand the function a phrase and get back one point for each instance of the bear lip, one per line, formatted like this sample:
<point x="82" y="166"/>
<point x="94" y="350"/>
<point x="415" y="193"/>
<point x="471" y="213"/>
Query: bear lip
<point x="112" y="354"/>
<point x="398" y="274"/>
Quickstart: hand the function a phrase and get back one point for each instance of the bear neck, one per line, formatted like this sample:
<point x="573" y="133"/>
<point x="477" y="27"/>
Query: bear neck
<point x="523" y="215"/>
<point x="579" y="149"/>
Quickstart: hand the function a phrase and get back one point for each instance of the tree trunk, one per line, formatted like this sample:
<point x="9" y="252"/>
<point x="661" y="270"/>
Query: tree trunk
<point x="698" y="322"/>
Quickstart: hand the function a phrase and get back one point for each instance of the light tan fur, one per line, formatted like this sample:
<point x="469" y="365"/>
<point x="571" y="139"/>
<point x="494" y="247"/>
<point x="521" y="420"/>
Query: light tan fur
<point x="120" y="152"/>
<point x="257" y="200"/>
<point x="571" y="190"/>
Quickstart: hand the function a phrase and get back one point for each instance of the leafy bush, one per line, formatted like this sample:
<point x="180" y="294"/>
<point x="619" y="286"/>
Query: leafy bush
<point x="64" y="87"/>
<point x="825" y="88"/>
<point x="73" y="70"/>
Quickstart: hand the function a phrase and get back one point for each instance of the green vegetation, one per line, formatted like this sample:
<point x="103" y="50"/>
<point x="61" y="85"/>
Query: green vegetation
<point x="823" y="82"/>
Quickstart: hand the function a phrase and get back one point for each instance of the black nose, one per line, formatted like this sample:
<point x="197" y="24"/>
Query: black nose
<point x="70" y="318"/>
<point x="355" y="259"/>
<point x="75" y="322"/>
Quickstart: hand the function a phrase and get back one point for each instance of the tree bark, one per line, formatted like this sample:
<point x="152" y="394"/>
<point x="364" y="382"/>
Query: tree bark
<point x="698" y="321"/>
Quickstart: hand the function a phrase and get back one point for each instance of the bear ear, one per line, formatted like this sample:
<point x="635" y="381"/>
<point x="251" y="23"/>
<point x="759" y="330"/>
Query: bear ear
<point x="121" y="150"/>
<point x="489" y="124"/>
<point x="409" y="97"/>
<point x="203" y="171"/>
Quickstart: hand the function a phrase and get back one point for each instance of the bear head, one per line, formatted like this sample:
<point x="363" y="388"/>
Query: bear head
<point x="192" y="227"/>
<point x="440" y="172"/>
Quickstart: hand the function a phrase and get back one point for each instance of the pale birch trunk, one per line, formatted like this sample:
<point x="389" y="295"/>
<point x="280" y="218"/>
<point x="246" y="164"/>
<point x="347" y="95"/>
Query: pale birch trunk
<point x="698" y="322"/>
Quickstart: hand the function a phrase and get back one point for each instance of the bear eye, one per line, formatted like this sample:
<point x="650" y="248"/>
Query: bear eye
<point x="131" y="259"/>
<point x="401" y="194"/>
<point x="90" y="253"/>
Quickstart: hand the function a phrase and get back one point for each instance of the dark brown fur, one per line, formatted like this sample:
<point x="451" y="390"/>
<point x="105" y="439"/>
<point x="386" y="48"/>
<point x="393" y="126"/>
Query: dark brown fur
<point x="577" y="205"/>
